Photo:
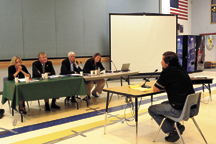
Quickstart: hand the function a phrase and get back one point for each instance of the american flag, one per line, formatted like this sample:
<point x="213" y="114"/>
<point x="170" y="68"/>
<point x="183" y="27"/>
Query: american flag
<point x="179" y="7"/>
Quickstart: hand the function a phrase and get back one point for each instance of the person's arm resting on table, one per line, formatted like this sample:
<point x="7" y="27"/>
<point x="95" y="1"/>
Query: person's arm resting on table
<point x="157" y="87"/>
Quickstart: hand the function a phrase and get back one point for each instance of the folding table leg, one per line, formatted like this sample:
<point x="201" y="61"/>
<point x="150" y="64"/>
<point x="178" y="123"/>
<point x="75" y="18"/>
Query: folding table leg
<point x="107" y="103"/>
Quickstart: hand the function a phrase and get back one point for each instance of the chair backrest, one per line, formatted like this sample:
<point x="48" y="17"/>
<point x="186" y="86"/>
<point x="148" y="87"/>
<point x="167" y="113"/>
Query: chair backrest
<point x="191" y="107"/>
<point x="4" y="79"/>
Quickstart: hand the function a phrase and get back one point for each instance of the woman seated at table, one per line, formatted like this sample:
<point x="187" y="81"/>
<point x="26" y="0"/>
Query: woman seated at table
<point x="93" y="64"/>
<point x="20" y="71"/>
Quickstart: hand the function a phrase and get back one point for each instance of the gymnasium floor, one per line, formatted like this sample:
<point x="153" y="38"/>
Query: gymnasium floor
<point x="86" y="125"/>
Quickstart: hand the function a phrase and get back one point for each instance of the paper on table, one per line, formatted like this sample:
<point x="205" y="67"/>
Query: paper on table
<point x="75" y="74"/>
<point x="139" y="88"/>
<point x="53" y="76"/>
<point x="23" y="80"/>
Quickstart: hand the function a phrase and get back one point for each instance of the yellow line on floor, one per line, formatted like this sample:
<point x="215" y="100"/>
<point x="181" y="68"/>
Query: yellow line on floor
<point x="64" y="133"/>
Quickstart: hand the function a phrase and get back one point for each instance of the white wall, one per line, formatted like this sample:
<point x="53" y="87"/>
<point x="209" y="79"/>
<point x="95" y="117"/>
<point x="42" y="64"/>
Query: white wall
<point x="201" y="17"/>
<point x="165" y="9"/>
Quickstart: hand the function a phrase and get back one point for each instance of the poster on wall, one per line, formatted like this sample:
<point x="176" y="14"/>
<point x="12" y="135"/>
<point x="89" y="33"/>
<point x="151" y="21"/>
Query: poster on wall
<point x="191" y="53"/>
<point x="180" y="48"/>
<point x="200" y="52"/>
<point x="209" y="42"/>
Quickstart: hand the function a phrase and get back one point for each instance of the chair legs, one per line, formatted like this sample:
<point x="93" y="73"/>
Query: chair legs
<point x="159" y="129"/>
<point x="30" y="104"/>
<point x="107" y="84"/>
<point x="39" y="105"/>
<point x="179" y="132"/>
<point x="199" y="130"/>
<point x="27" y="104"/>
<point x="73" y="101"/>
<point x="9" y="106"/>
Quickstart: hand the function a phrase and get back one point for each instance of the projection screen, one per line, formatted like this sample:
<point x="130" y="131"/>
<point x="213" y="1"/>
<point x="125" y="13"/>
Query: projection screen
<point x="141" y="40"/>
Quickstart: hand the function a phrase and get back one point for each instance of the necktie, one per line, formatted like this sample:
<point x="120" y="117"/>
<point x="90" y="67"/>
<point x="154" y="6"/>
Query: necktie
<point x="72" y="69"/>
<point x="43" y="68"/>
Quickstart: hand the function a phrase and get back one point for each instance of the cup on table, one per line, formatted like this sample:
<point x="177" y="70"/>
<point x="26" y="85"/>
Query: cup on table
<point x="92" y="72"/>
<point x="81" y="73"/>
<point x="46" y="75"/>
<point x="16" y="80"/>
<point x="96" y="72"/>
<point x="27" y="79"/>
<point x="104" y="71"/>
<point x="43" y="76"/>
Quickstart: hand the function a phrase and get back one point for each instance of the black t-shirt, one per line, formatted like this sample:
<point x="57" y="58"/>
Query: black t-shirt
<point x="177" y="83"/>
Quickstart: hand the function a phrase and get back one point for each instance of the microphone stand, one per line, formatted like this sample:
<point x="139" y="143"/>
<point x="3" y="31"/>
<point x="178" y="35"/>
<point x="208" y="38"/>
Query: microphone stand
<point x="147" y="80"/>
<point x="84" y="73"/>
<point x="114" y="66"/>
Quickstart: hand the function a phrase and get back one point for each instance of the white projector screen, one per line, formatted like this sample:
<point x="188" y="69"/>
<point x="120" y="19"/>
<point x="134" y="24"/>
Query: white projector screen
<point x="141" y="40"/>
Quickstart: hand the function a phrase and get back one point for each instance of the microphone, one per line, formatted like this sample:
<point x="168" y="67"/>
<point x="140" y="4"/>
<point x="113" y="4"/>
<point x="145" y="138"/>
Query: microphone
<point x="114" y="65"/>
<point x="83" y="67"/>
<point x="146" y="86"/>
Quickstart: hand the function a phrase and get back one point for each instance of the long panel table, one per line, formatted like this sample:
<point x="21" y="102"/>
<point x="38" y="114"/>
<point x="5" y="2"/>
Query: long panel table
<point x="51" y="88"/>
<point x="109" y="75"/>
<point x="126" y="91"/>
<point x="42" y="89"/>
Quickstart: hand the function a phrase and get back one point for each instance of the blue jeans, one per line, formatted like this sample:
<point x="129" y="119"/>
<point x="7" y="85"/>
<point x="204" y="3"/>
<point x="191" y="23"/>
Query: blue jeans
<point x="159" y="110"/>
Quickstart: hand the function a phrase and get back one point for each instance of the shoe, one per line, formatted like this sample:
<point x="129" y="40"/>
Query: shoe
<point x="55" y="106"/>
<point x="95" y="94"/>
<point x="181" y="128"/>
<point x="47" y="108"/>
<point x="173" y="137"/>
<point x="23" y="111"/>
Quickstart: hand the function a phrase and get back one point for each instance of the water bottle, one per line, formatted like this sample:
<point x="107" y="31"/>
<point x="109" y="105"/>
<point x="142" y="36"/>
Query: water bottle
<point x="98" y="70"/>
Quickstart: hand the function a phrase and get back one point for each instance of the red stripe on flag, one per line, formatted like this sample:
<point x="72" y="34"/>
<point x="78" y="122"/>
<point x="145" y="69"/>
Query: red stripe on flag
<point x="183" y="5"/>
<point x="180" y="14"/>
<point x="183" y="9"/>
<point x="183" y="2"/>
<point x="173" y="11"/>
<point x="182" y="18"/>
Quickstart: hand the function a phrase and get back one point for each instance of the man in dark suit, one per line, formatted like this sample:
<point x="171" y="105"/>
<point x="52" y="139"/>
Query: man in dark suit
<point x="70" y="66"/>
<point x="43" y="66"/>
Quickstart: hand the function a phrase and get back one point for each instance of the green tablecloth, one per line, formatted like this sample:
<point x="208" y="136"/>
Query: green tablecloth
<point x="42" y="89"/>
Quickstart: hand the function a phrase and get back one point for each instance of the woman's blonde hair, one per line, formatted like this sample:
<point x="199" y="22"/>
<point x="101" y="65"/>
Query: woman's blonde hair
<point x="14" y="58"/>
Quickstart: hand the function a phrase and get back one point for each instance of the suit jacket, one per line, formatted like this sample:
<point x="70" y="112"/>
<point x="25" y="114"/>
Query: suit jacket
<point x="12" y="71"/>
<point x="90" y="65"/>
<point x="66" y="67"/>
<point x="37" y="69"/>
